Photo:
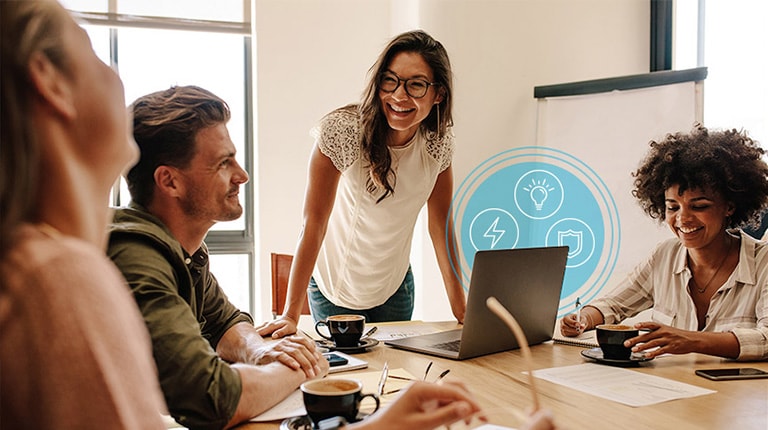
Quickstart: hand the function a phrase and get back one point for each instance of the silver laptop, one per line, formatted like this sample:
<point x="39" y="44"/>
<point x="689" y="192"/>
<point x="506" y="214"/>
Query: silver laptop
<point x="527" y="281"/>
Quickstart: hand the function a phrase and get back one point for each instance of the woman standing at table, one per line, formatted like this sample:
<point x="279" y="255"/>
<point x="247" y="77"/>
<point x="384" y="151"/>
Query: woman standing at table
<point x="707" y="287"/>
<point x="373" y="167"/>
<point x="74" y="351"/>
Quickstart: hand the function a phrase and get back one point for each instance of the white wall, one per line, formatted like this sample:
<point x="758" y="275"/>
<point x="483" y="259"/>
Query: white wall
<point x="312" y="56"/>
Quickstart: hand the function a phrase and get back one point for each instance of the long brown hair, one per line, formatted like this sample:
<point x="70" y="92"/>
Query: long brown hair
<point x="26" y="28"/>
<point x="374" y="124"/>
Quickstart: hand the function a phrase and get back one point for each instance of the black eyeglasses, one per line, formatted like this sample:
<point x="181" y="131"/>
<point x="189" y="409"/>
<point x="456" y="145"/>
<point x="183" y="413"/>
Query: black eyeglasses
<point x="415" y="87"/>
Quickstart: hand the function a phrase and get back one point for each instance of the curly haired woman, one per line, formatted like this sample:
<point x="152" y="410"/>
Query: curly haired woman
<point x="707" y="287"/>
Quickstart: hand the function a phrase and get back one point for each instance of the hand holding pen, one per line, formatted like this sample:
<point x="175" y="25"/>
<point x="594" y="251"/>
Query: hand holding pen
<point x="575" y="324"/>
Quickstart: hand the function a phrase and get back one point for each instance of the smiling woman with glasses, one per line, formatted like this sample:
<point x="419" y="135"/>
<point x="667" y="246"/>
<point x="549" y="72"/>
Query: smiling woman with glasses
<point x="374" y="166"/>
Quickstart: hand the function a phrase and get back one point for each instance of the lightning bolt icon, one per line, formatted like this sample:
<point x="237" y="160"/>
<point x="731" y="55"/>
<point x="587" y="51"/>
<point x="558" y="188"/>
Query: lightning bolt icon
<point x="494" y="233"/>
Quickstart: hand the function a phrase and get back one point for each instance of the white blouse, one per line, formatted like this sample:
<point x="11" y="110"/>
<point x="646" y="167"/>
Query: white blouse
<point x="365" y="254"/>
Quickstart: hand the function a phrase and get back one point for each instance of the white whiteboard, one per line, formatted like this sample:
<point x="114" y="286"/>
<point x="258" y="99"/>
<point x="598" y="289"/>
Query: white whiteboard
<point x="610" y="133"/>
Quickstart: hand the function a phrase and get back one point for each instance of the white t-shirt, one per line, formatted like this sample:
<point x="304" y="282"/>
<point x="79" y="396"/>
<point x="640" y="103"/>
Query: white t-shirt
<point x="365" y="254"/>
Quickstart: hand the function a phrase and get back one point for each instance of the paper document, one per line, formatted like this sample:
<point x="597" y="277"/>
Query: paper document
<point x="293" y="405"/>
<point x="620" y="385"/>
<point x="399" y="330"/>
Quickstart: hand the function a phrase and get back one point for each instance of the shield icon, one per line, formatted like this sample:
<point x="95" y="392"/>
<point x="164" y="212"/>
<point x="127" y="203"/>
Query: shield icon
<point x="573" y="239"/>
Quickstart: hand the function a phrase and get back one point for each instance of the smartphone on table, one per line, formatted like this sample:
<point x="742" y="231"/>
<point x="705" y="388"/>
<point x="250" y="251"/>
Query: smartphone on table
<point x="731" y="374"/>
<point x="335" y="359"/>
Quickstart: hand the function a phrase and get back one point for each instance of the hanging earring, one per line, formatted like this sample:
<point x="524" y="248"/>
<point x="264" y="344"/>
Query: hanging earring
<point x="439" y="131"/>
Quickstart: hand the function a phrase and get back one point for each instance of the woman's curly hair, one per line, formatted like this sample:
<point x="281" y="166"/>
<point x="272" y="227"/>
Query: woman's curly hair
<point x="727" y="162"/>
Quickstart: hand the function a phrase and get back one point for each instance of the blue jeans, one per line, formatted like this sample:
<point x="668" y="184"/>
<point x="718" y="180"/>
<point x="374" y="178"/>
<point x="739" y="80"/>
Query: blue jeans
<point x="399" y="306"/>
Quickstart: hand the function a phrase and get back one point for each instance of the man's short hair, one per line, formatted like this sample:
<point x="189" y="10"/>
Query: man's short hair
<point x="165" y="124"/>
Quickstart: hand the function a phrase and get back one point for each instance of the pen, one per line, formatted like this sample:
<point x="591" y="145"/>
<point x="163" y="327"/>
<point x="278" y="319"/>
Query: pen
<point x="402" y="378"/>
<point x="383" y="380"/>
<point x="369" y="332"/>
<point x="442" y="375"/>
<point x="427" y="371"/>
<point x="578" y="313"/>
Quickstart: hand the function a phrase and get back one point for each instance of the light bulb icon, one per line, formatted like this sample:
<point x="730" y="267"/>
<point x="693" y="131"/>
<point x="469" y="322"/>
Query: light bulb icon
<point x="538" y="191"/>
<point x="539" y="195"/>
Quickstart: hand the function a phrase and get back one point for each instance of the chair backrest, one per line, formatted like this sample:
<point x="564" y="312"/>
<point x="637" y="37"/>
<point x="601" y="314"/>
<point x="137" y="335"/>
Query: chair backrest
<point x="761" y="230"/>
<point x="281" y="268"/>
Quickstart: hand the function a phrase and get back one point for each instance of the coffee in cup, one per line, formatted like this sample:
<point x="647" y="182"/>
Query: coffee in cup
<point x="345" y="330"/>
<point x="611" y="339"/>
<point x="334" y="397"/>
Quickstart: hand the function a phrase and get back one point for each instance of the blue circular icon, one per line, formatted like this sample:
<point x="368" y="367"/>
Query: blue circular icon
<point x="533" y="197"/>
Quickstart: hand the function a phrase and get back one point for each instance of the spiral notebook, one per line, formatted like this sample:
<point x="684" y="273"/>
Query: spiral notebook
<point x="586" y="339"/>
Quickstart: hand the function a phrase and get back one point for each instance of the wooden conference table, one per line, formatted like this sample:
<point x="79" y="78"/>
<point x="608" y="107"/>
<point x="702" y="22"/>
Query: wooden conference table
<point x="497" y="380"/>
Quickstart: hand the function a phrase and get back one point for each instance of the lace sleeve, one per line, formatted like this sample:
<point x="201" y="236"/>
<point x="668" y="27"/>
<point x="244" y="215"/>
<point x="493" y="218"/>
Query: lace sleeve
<point x="441" y="148"/>
<point x="338" y="138"/>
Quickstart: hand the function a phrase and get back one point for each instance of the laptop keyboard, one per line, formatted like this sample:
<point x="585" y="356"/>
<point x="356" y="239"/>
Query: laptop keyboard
<point x="448" y="346"/>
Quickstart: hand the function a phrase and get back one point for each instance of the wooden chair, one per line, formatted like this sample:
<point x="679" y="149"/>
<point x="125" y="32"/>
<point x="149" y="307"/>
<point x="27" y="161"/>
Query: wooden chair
<point x="281" y="268"/>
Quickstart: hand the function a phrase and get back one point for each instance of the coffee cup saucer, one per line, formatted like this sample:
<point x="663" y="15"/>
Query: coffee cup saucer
<point x="597" y="355"/>
<point x="361" y="346"/>
<point x="303" y="422"/>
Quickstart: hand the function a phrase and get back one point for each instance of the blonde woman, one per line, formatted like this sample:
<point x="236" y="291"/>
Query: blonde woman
<point x="74" y="352"/>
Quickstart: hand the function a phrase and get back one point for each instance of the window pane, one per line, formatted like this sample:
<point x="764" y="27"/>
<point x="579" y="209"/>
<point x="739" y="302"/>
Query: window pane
<point x="153" y="60"/>
<point x="231" y="270"/>
<point x="219" y="10"/>
<point x="736" y="54"/>
<point x="86" y="5"/>
<point x="686" y="34"/>
<point x="99" y="41"/>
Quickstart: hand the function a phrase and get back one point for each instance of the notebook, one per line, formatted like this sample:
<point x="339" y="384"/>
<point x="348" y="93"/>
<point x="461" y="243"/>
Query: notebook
<point x="587" y="339"/>
<point x="527" y="281"/>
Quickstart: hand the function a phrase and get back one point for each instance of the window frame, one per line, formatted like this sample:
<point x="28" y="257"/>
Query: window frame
<point x="238" y="242"/>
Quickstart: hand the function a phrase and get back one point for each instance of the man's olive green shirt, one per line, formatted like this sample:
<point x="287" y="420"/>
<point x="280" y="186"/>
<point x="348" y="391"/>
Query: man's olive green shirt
<point x="186" y="313"/>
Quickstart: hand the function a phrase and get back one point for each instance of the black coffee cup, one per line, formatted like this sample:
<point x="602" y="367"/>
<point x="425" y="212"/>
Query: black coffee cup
<point x="345" y="330"/>
<point x="334" y="397"/>
<point x="611" y="339"/>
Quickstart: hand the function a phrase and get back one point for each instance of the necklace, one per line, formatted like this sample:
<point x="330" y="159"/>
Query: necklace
<point x="720" y="266"/>
<point x="395" y="156"/>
